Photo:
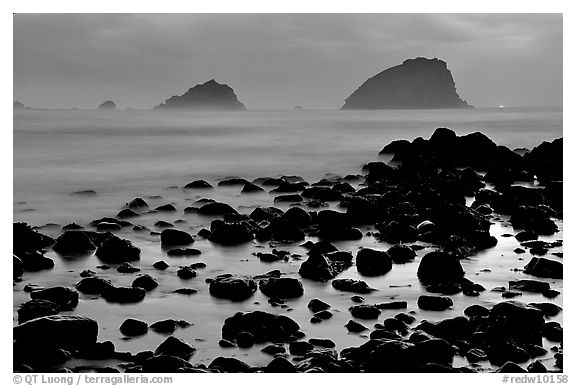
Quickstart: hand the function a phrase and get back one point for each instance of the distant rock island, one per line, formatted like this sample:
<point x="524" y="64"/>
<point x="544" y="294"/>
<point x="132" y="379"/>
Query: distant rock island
<point x="19" y="106"/>
<point x="419" y="83"/>
<point x="208" y="96"/>
<point x="108" y="105"/>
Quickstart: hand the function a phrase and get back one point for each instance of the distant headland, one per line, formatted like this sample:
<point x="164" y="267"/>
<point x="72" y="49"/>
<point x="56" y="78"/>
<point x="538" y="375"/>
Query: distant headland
<point x="208" y="96"/>
<point x="418" y="83"/>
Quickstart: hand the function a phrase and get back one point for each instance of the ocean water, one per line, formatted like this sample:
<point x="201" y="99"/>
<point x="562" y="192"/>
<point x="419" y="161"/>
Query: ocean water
<point x="126" y="154"/>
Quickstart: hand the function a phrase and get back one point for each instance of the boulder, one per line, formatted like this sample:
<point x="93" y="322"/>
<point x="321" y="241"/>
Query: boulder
<point x="283" y="288"/>
<point x="93" y="285"/>
<point x="36" y="308"/>
<point x="186" y="273"/>
<point x="323" y="267"/>
<point x="316" y="305"/>
<point x="176" y="347"/>
<point x="73" y="242"/>
<point x="115" y="250"/>
<point x="434" y="303"/>
<point x="351" y="285"/>
<point x="230" y="233"/>
<point x="65" y="298"/>
<point x="123" y="294"/>
<point x="198" y="184"/>
<point x="236" y="288"/>
<point x="165" y="364"/>
<point x="280" y="365"/>
<point x="542" y="267"/>
<point x="133" y="327"/>
<point x="229" y="365"/>
<point x="370" y="262"/>
<point x="365" y="311"/>
<point x="175" y="237"/>
<point x="63" y="331"/>
<point x="401" y="253"/>
<point x="438" y="267"/>
<point x="145" y="282"/>
<point x="179" y="252"/>
<point x="263" y="326"/>
<point x="518" y="321"/>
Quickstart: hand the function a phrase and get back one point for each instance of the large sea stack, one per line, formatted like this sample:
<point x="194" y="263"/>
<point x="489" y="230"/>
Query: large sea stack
<point x="419" y="83"/>
<point x="208" y="96"/>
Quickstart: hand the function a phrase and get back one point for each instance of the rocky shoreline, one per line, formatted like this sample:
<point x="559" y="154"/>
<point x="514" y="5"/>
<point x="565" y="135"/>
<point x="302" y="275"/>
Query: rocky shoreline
<point x="417" y="201"/>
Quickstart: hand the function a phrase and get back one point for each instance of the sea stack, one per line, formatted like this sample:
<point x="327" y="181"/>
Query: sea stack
<point x="419" y="83"/>
<point x="108" y="105"/>
<point x="19" y="106"/>
<point x="208" y="96"/>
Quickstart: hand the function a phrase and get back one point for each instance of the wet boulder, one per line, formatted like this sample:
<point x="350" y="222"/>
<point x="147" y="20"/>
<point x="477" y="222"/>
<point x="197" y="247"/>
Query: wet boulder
<point x="316" y="305"/>
<point x="170" y="237"/>
<point x="518" y="321"/>
<point x="438" y="267"/>
<point x="165" y="364"/>
<point x="93" y="285"/>
<point x="65" y="298"/>
<point x="123" y="294"/>
<point x="34" y="261"/>
<point x="36" y="308"/>
<point x="145" y="282"/>
<point x="401" y="253"/>
<point x="534" y="219"/>
<point x="115" y="250"/>
<point x="186" y="273"/>
<point x="73" y="242"/>
<point x="176" y="347"/>
<point x="236" y="288"/>
<point x="434" y="303"/>
<point x="63" y="331"/>
<point x="198" y="184"/>
<point x="229" y="365"/>
<point x="280" y="365"/>
<point x="355" y="327"/>
<point x="133" y="327"/>
<point x="26" y="239"/>
<point x="166" y="208"/>
<point x="282" y="288"/>
<point x="17" y="267"/>
<point x="351" y="285"/>
<point x="251" y="188"/>
<point x="323" y="267"/>
<point x="542" y="267"/>
<point x="179" y="252"/>
<point x="216" y="209"/>
<point x="370" y="262"/>
<point x="265" y="214"/>
<point x="263" y="326"/>
<point x="230" y="233"/>
<point x="365" y="311"/>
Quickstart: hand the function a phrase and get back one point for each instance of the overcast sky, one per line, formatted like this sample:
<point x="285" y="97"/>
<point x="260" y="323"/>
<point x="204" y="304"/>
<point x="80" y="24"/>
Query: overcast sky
<point x="277" y="61"/>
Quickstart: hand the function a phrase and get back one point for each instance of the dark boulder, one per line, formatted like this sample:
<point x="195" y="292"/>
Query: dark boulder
<point x="123" y="294"/>
<point x="198" y="184"/>
<point x="17" y="267"/>
<point x="351" y="285"/>
<point x="165" y="364"/>
<point x="65" y="298"/>
<point x="434" y="303"/>
<point x="186" y="273"/>
<point x="145" y="282"/>
<point x="365" y="311"/>
<point x="518" y="321"/>
<point x="216" y="209"/>
<point x="316" y="305"/>
<point x="175" y="237"/>
<point x="401" y="253"/>
<point x="529" y="285"/>
<point x="355" y="327"/>
<point x="325" y="267"/>
<point x="438" y="267"/>
<point x="229" y="365"/>
<point x="179" y="252"/>
<point x="251" y="188"/>
<point x="370" y="262"/>
<point x="282" y="288"/>
<point x="133" y="327"/>
<point x="115" y="250"/>
<point x="542" y="267"/>
<point x="161" y="265"/>
<point x="263" y="326"/>
<point x="176" y="347"/>
<point x="73" y="242"/>
<point x="63" y="331"/>
<point x="127" y="268"/>
<point x="93" y="285"/>
<point x="236" y="288"/>
<point x="265" y="214"/>
<point x="36" y="308"/>
<point x="166" y="208"/>
<point x="230" y="233"/>
<point x="280" y="365"/>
